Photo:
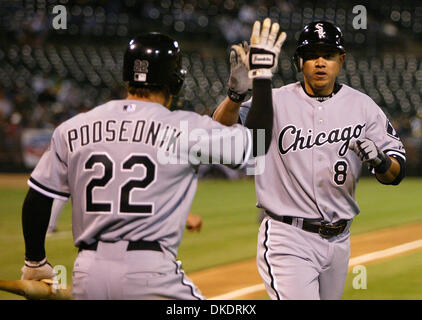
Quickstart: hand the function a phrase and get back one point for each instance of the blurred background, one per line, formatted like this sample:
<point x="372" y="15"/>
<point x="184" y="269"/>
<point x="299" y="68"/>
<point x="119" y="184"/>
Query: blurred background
<point x="48" y="75"/>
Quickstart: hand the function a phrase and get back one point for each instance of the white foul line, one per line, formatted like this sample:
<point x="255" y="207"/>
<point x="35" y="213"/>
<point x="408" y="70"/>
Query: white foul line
<point x="385" y="253"/>
<point x="240" y="292"/>
<point x="352" y="262"/>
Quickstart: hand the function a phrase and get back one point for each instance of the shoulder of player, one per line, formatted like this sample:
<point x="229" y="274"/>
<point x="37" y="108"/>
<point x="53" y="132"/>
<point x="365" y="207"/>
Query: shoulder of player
<point x="188" y="115"/>
<point x="79" y="118"/>
<point x="349" y="91"/>
<point x="362" y="99"/>
<point x="287" y="89"/>
<point x="197" y="121"/>
<point x="276" y="92"/>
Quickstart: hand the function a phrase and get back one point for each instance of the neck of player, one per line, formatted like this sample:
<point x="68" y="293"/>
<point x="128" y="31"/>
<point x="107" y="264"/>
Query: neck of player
<point x="152" y="97"/>
<point x="319" y="91"/>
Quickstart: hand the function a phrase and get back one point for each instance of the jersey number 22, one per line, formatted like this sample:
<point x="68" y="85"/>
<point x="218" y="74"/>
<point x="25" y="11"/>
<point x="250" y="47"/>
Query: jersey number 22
<point x="125" y="189"/>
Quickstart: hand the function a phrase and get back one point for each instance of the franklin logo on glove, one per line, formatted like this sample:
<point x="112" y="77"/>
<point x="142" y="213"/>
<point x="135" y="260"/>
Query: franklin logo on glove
<point x="264" y="44"/>
<point x="266" y="59"/>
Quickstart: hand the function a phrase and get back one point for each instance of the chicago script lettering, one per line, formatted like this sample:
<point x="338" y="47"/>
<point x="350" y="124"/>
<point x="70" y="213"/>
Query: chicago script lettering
<point x="301" y="142"/>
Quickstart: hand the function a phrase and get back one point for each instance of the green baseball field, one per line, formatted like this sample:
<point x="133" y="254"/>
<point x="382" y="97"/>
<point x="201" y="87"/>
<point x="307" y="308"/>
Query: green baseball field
<point x="386" y="235"/>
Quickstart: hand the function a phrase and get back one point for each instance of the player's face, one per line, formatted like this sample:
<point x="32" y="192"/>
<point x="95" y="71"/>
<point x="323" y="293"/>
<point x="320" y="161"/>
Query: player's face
<point x="320" y="70"/>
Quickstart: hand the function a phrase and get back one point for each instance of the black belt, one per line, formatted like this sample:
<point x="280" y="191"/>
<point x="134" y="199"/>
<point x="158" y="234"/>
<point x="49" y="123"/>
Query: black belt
<point x="132" y="246"/>
<point x="322" y="228"/>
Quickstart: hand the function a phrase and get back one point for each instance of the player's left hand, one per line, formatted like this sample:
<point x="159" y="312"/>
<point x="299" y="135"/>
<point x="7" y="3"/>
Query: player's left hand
<point x="369" y="153"/>
<point x="37" y="270"/>
<point x="239" y="82"/>
<point x="194" y="222"/>
<point x="264" y="49"/>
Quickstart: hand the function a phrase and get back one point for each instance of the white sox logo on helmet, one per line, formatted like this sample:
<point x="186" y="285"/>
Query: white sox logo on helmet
<point x="320" y="30"/>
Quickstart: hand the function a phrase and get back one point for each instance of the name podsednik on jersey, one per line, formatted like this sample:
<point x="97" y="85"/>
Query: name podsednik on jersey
<point x="130" y="168"/>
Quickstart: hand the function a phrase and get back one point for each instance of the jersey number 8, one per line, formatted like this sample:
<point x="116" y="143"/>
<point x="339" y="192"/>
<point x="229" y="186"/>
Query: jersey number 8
<point x="340" y="175"/>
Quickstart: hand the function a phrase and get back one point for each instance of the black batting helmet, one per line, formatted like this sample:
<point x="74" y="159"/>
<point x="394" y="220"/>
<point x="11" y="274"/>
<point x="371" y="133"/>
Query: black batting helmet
<point x="319" y="33"/>
<point x="154" y="60"/>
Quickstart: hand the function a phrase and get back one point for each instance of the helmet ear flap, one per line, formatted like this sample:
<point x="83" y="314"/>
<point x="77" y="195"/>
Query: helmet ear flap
<point x="177" y="82"/>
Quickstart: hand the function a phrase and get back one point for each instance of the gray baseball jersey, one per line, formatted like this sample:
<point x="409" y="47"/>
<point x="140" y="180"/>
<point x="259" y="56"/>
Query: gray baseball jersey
<point x="309" y="170"/>
<point x="130" y="169"/>
<point x="310" y="173"/>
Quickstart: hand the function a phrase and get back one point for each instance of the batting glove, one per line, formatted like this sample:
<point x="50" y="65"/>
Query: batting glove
<point x="37" y="270"/>
<point x="264" y="49"/>
<point x="239" y="82"/>
<point x="369" y="153"/>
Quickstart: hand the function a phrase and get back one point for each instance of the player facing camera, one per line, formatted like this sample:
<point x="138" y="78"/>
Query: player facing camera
<point x="326" y="131"/>
<point x="321" y="65"/>
<point x="320" y="54"/>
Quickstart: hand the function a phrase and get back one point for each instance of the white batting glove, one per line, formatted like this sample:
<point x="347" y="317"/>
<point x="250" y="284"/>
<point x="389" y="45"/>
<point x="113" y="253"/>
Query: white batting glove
<point x="264" y="49"/>
<point x="37" y="270"/>
<point x="239" y="82"/>
<point x="369" y="153"/>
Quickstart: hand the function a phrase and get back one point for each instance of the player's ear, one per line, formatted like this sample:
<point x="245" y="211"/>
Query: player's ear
<point x="342" y="58"/>
<point x="169" y="101"/>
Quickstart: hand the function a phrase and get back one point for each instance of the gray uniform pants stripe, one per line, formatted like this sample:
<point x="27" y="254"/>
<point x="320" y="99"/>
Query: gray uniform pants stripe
<point x="301" y="265"/>
<point x="266" y="254"/>
<point x="187" y="282"/>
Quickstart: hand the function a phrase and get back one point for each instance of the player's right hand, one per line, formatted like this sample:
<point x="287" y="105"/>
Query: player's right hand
<point x="264" y="49"/>
<point x="37" y="270"/>
<point x="194" y="222"/>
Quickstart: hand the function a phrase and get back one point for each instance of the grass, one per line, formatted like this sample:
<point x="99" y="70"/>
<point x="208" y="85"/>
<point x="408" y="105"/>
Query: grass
<point x="395" y="279"/>
<point x="229" y="224"/>
<point x="387" y="206"/>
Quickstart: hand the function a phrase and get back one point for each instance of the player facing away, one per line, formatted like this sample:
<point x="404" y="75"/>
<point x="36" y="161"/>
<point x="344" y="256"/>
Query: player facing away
<point x="193" y="222"/>
<point x="130" y="168"/>
<point x="323" y="131"/>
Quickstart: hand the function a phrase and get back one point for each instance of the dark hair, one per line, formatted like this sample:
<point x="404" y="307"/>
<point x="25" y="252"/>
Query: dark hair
<point x="145" y="92"/>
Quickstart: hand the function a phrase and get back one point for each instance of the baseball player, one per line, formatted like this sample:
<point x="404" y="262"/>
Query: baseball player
<point x="193" y="222"/>
<point x="323" y="131"/>
<point x="130" y="168"/>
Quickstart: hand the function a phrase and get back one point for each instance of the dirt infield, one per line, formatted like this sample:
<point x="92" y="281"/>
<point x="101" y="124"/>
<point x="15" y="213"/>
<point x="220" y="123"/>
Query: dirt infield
<point x="13" y="180"/>
<point x="223" y="279"/>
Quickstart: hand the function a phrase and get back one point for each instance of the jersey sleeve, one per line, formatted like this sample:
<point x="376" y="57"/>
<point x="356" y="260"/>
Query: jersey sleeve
<point x="244" y="110"/>
<point x="50" y="176"/>
<point x="382" y="133"/>
<point x="211" y="142"/>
